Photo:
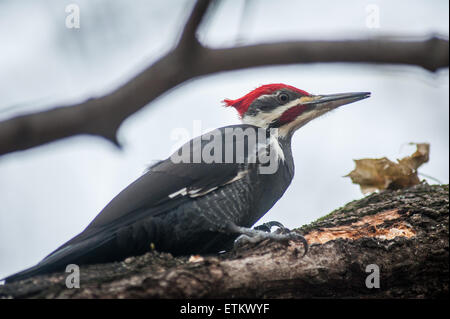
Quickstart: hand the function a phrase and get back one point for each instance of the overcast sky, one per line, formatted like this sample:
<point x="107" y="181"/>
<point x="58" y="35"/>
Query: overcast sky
<point x="50" y="193"/>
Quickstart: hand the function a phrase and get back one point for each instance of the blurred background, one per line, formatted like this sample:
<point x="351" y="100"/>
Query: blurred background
<point x="50" y="193"/>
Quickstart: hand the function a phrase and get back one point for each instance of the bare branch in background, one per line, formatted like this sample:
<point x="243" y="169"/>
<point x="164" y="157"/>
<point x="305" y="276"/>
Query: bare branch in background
<point x="189" y="59"/>
<point x="244" y="21"/>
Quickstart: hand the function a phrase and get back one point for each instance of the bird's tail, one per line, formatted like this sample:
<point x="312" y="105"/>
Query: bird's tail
<point x="29" y="272"/>
<point x="57" y="260"/>
<point x="90" y="251"/>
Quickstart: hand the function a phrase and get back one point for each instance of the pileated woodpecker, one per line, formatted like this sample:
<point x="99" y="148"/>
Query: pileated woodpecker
<point x="201" y="205"/>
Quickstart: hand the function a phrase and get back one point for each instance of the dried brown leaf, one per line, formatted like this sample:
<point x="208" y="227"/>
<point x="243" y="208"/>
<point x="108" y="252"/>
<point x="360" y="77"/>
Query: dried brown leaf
<point x="381" y="173"/>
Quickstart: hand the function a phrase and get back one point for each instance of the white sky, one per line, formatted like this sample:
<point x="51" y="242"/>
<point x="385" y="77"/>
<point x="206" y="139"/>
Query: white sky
<point x="50" y="193"/>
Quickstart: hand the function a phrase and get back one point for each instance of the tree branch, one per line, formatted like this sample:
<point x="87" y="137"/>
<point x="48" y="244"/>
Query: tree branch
<point x="188" y="35"/>
<point x="103" y="116"/>
<point x="404" y="233"/>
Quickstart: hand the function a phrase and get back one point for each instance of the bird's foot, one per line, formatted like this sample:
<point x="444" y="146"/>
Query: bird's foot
<point x="262" y="232"/>
<point x="267" y="227"/>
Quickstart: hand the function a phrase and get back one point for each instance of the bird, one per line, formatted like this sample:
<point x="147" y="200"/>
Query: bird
<point x="207" y="195"/>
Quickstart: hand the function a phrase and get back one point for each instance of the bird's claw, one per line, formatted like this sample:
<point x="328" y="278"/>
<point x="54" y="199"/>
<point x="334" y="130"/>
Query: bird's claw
<point x="268" y="226"/>
<point x="262" y="232"/>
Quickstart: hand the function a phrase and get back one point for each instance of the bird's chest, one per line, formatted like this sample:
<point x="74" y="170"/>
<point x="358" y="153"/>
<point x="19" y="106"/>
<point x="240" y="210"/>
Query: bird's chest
<point x="269" y="188"/>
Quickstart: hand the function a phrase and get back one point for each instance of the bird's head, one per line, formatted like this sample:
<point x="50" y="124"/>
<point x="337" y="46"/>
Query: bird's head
<point x="286" y="107"/>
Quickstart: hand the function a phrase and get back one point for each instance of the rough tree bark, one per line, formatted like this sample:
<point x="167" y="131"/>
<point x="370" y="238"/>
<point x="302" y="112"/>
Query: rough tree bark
<point x="403" y="232"/>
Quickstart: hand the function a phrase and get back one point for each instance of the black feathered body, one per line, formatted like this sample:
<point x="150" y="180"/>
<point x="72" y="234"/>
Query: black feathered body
<point x="177" y="208"/>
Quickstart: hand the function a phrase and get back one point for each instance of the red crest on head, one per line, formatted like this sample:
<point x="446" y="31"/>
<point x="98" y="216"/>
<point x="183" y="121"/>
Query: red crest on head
<point x="242" y="104"/>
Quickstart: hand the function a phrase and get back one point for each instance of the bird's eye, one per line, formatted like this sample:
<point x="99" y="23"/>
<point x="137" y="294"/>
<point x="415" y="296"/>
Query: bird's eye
<point x="283" y="97"/>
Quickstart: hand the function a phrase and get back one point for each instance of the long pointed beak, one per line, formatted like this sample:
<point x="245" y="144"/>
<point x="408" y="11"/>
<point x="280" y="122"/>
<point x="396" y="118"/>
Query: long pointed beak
<point x="332" y="101"/>
<point x="312" y="106"/>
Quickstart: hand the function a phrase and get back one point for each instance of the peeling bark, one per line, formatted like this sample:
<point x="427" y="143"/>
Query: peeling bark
<point x="403" y="232"/>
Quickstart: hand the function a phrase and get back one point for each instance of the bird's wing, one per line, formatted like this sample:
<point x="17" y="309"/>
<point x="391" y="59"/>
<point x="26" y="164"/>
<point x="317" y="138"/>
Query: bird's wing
<point x="165" y="186"/>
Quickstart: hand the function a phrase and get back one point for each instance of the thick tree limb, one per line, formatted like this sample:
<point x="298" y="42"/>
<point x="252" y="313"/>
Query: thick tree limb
<point x="103" y="116"/>
<point x="404" y="232"/>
